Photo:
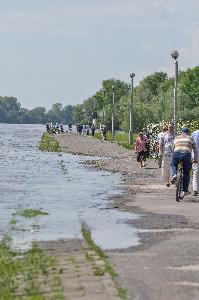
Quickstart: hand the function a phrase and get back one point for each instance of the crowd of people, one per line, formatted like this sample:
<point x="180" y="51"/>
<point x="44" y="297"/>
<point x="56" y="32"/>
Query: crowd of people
<point x="85" y="129"/>
<point x="171" y="150"/>
<point x="57" y="128"/>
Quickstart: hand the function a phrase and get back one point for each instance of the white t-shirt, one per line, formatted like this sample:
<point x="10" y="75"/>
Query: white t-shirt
<point x="195" y="136"/>
<point x="160" y="136"/>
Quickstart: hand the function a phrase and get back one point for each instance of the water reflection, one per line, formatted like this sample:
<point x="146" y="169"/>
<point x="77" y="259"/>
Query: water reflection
<point x="59" y="185"/>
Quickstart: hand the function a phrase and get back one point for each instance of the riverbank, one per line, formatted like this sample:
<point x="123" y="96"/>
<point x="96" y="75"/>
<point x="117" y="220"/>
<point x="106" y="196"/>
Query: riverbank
<point x="165" y="265"/>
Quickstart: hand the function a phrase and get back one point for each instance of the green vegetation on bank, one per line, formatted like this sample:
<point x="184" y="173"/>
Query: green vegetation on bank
<point x="121" y="138"/>
<point x="153" y="102"/>
<point x="48" y="143"/>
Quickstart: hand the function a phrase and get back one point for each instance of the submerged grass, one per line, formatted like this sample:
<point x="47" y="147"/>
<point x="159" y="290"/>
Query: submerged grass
<point x="48" y="143"/>
<point x="31" y="213"/>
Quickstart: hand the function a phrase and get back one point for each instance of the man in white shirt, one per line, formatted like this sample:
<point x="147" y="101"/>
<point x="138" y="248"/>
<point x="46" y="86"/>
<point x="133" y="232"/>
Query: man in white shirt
<point x="195" y="166"/>
<point x="166" y="150"/>
<point x="159" y="139"/>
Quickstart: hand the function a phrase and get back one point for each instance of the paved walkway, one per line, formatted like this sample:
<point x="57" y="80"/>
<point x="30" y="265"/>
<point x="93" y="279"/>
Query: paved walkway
<point x="83" y="274"/>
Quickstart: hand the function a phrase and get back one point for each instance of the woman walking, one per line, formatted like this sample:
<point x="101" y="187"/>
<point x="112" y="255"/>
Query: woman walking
<point x="141" y="149"/>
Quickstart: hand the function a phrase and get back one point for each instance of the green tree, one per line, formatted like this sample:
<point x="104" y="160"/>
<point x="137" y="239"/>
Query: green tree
<point x="36" y="115"/>
<point x="9" y="109"/>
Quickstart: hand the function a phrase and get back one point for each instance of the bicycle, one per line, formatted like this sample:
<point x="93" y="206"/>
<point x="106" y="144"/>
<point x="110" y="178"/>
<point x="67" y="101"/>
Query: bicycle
<point x="179" y="183"/>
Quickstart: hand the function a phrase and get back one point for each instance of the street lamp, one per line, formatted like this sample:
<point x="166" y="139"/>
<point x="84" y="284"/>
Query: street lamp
<point x="113" y="110"/>
<point x="104" y="93"/>
<point x="94" y="114"/>
<point x="175" y="55"/>
<point x="131" y="112"/>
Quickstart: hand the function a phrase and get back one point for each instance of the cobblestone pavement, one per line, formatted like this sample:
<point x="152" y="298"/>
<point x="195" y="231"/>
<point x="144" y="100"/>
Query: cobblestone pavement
<point x="82" y="272"/>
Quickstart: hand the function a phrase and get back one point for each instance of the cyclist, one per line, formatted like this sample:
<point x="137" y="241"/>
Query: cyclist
<point x="182" y="150"/>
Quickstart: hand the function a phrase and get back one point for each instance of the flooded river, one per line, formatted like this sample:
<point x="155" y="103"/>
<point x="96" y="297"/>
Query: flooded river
<point x="60" y="185"/>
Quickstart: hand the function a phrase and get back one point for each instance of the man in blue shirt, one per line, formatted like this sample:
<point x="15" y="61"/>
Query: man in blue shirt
<point x="195" y="167"/>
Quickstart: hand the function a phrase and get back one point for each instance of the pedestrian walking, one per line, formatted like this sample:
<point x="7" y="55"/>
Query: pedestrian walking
<point x="159" y="137"/>
<point x="93" y="129"/>
<point x="147" y="135"/>
<point x="195" y="166"/>
<point x="166" y="152"/>
<point x="141" y="149"/>
<point x="87" y="129"/>
<point x="103" y="133"/>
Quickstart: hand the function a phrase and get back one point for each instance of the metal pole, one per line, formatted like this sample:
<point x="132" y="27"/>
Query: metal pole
<point x="94" y="103"/>
<point x="131" y="112"/>
<point x="104" y="91"/>
<point x="94" y="106"/>
<point x="175" y="103"/>
<point x="175" y="55"/>
<point x="113" y="111"/>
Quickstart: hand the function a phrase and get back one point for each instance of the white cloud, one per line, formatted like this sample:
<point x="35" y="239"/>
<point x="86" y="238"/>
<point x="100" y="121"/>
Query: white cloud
<point x="68" y="18"/>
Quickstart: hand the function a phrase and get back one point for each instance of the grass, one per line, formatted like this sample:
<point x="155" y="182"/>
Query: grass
<point x="122" y="293"/>
<point x="23" y="272"/>
<point x="100" y="271"/>
<point x="121" y="138"/>
<point x="31" y="213"/>
<point x="87" y="236"/>
<point x="48" y="143"/>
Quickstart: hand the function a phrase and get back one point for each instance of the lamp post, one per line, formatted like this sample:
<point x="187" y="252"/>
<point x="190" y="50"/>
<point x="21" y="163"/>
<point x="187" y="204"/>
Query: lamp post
<point x="175" y="55"/>
<point x="113" y="110"/>
<point x="104" y="93"/>
<point x="94" y="112"/>
<point x="131" y="112"/>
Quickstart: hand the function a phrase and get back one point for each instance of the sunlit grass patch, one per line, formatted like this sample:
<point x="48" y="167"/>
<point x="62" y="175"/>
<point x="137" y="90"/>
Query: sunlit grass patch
<point x="121" y="138"/>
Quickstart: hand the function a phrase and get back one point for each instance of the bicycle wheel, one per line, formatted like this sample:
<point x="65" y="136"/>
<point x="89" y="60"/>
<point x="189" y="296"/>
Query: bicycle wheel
<point x="179" y="187"/>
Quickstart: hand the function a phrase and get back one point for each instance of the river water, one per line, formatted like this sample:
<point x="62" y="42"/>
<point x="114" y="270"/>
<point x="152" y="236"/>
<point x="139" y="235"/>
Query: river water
<point x="60" y="185"/>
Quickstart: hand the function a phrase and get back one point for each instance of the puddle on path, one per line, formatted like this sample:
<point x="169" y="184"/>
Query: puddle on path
<point x="59" y="185"/>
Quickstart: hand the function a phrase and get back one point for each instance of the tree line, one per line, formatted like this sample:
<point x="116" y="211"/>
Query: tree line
<point x="11" y="112"/>
<point x="153" y="102"/>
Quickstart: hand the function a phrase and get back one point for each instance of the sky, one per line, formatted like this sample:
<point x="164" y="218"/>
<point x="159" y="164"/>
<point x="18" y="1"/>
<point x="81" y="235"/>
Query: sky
<point x="61" y="50"/>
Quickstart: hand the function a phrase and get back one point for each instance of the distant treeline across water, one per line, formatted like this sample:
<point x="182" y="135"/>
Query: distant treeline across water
<point x="152" y="103"/>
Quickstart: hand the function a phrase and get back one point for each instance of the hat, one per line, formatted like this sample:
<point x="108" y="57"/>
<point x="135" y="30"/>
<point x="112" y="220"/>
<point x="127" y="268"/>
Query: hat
<point x="185" y="129"/>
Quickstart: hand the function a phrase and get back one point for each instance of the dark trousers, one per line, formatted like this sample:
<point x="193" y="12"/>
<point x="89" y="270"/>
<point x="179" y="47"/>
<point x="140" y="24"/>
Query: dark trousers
<point x="186" y="159"/>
